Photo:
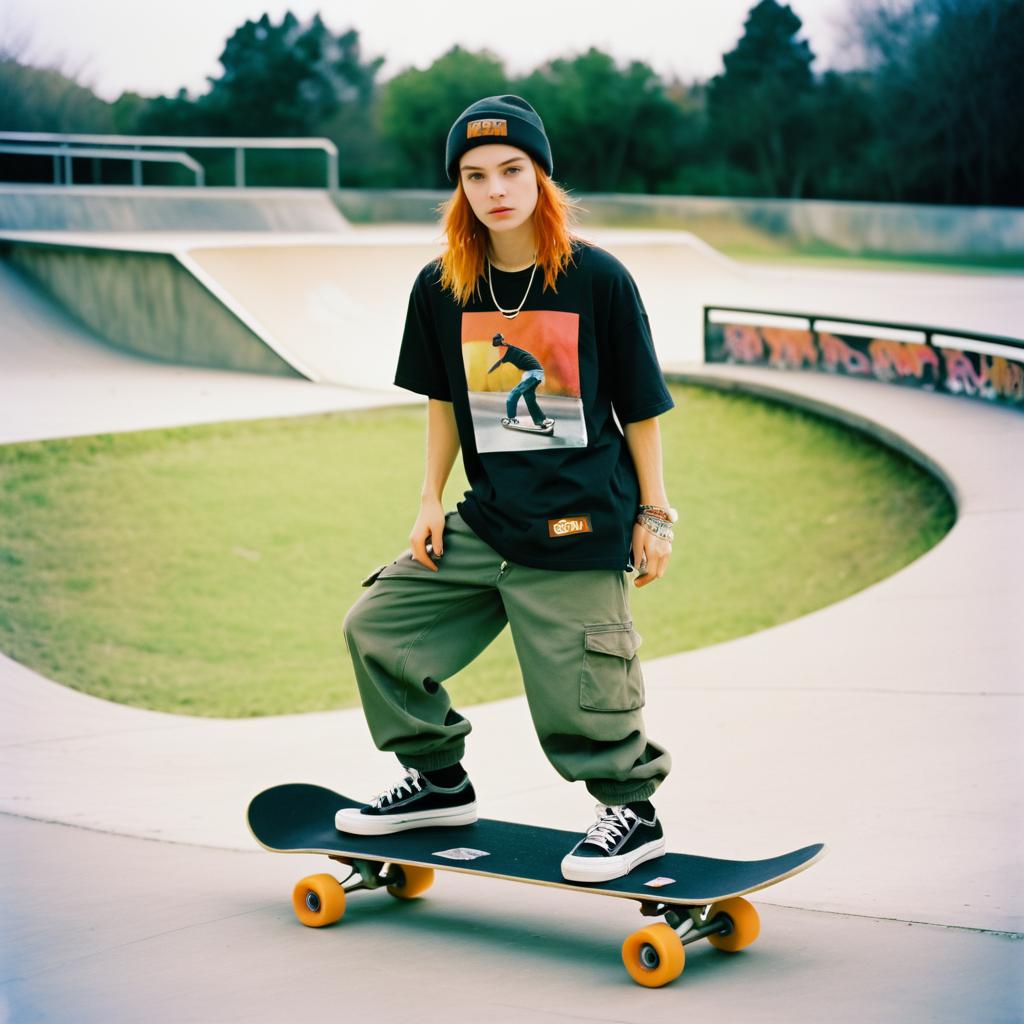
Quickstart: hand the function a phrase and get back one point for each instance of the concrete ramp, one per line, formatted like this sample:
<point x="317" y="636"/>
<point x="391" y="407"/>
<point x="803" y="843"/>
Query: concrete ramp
<point x="329" y="309"/>
<point x="146" y="302"/>
<point x="335" y="311"/>
<point x="58" y="379"/>
<point x="111" y="208"/>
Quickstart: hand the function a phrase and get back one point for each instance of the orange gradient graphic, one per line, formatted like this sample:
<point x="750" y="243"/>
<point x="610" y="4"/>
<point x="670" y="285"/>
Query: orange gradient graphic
<point x="552" y="337"/>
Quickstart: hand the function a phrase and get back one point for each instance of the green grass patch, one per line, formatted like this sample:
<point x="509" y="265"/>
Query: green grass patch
<point x="207" y="570"/>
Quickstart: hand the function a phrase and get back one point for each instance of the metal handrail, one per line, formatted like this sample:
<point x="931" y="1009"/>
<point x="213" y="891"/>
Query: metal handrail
<point x="928" y="332"/>
<point x="238" y="143"/>
<point x="164" y="156"/>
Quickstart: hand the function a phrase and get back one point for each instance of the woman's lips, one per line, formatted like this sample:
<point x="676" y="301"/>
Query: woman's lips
<point x="504" y="209"/>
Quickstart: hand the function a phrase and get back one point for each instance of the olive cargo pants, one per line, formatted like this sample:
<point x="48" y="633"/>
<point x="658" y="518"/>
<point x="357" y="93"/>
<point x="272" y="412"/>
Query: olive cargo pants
<point x="574" y="638"/>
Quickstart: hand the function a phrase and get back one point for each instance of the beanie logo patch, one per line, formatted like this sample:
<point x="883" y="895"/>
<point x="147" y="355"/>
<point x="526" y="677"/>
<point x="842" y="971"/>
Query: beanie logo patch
<point x="487" y="126"/>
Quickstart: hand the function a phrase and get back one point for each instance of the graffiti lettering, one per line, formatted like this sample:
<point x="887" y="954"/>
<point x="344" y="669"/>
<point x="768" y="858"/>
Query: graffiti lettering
<point x="790" y="348"/>
<point x="838" y="354"/>
<point x="743" y="344"/>
<point x="893" y="359"/>
<point x="975" y="374"/>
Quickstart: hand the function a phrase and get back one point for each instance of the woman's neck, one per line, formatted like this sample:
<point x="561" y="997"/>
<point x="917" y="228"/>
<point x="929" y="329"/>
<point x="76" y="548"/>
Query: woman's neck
<point x="512" y="250"/>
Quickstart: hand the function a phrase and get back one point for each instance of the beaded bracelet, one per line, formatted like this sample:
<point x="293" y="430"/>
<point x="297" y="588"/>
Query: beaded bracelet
<point x="668" y="514"/>
<point x="656" y="525"/>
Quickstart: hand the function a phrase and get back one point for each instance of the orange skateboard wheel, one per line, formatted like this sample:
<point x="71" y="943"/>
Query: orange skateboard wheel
<point x="318" y="900"/>
<point x="413" y="881"/>
<point x="654" y="956"/>
<point x="746" y="925"/>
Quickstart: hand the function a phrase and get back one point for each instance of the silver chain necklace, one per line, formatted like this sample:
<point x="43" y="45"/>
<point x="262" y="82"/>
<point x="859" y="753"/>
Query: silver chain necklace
<point x="511" y="314"/>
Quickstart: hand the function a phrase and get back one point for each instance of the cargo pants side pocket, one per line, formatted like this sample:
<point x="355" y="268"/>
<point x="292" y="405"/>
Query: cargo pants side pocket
<point x="611" y="678"/>
<point x="371" y="579"/>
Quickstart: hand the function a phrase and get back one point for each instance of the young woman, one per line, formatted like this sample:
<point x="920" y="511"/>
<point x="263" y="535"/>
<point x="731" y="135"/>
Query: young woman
<point x="559" y="505"/>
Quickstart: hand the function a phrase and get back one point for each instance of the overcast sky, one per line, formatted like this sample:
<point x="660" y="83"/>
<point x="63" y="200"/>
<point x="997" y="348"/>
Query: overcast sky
<point x="154" y="48"/>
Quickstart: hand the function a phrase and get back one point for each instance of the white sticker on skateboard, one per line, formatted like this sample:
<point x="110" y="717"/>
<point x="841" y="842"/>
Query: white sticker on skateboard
<point x="657" y="883"/>
<point x="461" y="853"/>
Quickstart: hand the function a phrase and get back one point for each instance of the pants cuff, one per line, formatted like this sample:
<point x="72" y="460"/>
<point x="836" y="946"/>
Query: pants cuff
<point x="435" y="761"/>
<point x="613" y="793"/>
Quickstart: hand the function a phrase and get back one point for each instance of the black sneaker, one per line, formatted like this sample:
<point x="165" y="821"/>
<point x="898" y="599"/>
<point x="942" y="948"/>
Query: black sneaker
<point x="617" y="842"/>
<point x="414" y="803"/>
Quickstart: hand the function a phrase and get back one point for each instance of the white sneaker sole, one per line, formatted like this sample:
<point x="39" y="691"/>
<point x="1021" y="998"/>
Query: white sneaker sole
<point x="605" y="869"/>
<point x="350" y="820"/>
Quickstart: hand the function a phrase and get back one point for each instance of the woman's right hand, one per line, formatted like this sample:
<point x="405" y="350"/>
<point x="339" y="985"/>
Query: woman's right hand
<point x="429" y="526"/>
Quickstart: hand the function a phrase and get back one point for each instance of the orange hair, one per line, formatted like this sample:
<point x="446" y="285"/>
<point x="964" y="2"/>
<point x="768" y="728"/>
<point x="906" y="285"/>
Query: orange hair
<point x="462" y="262"/>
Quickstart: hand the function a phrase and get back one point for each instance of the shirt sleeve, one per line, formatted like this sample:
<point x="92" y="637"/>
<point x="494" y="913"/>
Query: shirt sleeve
<point x="638" y="387"/>
<point x="420" y="364"/>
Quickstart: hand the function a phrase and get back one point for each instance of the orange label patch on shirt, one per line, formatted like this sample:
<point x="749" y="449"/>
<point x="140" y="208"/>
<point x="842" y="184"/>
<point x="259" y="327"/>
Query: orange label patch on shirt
<point x="568" y="525"/>
<point x="487" y="126"/>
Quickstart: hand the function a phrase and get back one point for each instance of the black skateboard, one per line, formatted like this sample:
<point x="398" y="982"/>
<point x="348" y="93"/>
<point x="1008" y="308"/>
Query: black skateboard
<point x="695" y="897"/>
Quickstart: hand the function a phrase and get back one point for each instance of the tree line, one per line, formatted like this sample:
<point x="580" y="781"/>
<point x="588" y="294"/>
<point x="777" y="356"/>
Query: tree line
<point x="927" y="112"/>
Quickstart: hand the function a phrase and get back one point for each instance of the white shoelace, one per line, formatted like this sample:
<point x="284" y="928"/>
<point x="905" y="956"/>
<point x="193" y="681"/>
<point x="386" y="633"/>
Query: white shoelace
<point x="611" y="824"/>
<point x="413" y="782"/>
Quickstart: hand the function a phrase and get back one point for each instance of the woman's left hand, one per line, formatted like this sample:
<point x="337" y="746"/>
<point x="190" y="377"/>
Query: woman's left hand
<point x="650" y="555"/>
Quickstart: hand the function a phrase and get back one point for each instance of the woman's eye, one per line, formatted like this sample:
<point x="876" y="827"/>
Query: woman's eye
<point x="473" y="175"/>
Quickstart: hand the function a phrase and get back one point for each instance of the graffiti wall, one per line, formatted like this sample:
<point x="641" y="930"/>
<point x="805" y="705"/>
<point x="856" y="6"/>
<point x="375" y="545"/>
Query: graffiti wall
<point x="985" y="368"/>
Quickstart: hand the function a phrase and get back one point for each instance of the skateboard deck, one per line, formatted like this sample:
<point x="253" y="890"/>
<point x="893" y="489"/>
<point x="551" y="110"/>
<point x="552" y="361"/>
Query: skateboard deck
<point x="696" y="896"/>
<point x="529" y="428"/>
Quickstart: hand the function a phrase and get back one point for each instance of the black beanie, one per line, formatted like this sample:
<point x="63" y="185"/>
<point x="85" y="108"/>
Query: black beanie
<point x="504" y="119"/>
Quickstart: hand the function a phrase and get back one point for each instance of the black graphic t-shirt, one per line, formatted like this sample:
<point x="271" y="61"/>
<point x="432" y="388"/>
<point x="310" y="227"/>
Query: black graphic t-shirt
<point x="552" y="481"/>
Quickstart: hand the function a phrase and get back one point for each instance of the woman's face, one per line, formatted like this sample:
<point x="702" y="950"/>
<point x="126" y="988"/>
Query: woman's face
<point x="496" y="177"/>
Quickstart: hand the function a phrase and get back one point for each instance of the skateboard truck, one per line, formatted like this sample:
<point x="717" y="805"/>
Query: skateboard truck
<point x="689" y="923"/>
<point x="371" y="874"/>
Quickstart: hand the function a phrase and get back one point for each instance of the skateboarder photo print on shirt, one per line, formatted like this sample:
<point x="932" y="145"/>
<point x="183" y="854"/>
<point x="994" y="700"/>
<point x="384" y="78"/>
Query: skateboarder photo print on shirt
<point x="523" y="380"/>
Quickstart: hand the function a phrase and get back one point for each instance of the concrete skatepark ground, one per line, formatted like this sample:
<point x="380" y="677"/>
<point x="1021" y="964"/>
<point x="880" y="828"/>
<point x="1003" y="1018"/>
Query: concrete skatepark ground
<point x="887" y="725"/>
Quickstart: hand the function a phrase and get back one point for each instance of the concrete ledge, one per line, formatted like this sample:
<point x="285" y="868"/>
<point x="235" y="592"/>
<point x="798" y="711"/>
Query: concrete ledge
<point x="155" y="208"/>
